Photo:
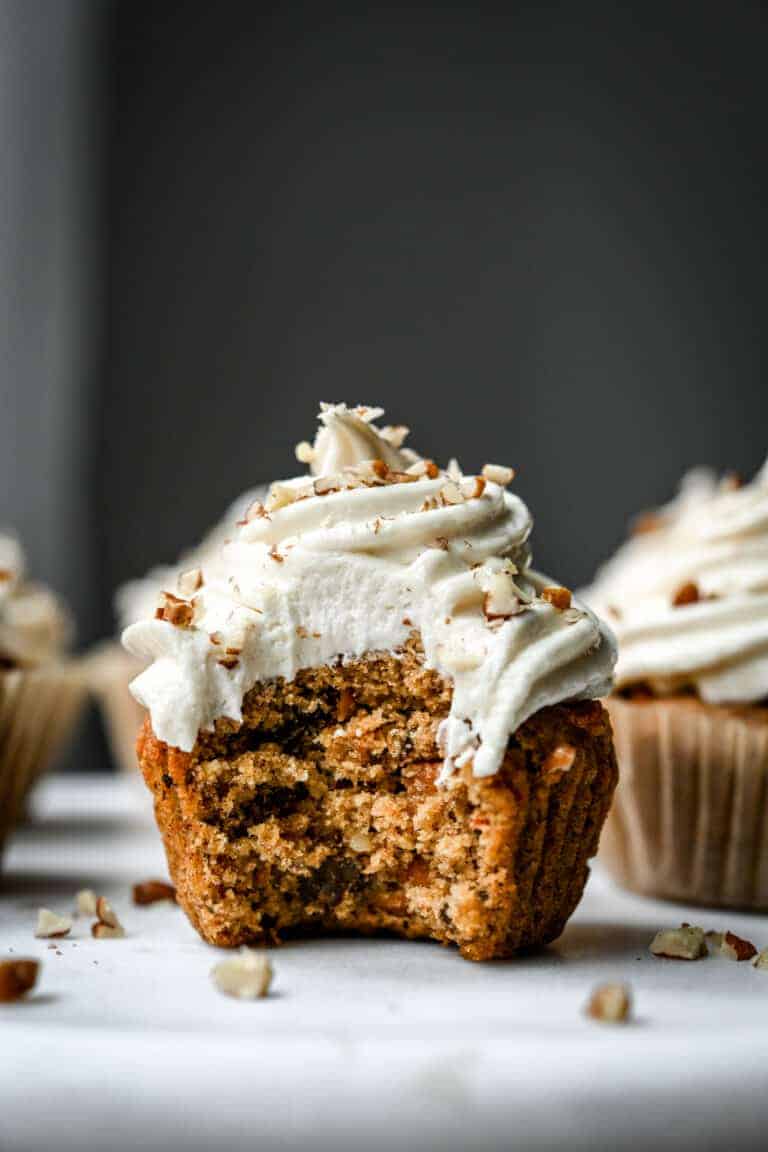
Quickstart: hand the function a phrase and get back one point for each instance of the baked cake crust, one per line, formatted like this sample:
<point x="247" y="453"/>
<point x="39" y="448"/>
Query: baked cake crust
<point x="321" y="812"/>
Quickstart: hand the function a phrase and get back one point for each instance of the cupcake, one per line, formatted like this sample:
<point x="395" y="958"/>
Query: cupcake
<point x="111" y="669"/>
<point x="372" y="715"/>
<point x="40" y="692"/>
<point x="687" y="597"/>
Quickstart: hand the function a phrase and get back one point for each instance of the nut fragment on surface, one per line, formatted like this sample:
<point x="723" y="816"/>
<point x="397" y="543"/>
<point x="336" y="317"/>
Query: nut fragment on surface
<point x="498" y="474"/>
<point x="761" y="960"/>
<point x="683" y="943"/>
<point x="101" y="931"/>
<point x="610" y="1003"/>
<point x="107" y="927"/>
<point x="152" y="891"/>
<point x="50" y="925"/>
<point x="17" y="977"/>
<point x="246" y="976"/>
<point x="687" y="593"/>
<point x="85" y="902"/>
<point x="556" y="596"/>
<point x="733" y="947"/>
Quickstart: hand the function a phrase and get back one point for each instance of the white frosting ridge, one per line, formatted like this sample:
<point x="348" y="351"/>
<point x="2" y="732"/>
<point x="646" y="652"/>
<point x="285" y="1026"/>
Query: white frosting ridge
<point x="137" y="599"/>
<point x="355" y="571"/>
<point x="34" y="627"/>
<point x="712" y="541"/>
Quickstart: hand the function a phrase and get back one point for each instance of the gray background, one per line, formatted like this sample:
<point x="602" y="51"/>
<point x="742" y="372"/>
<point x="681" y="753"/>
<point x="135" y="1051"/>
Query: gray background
<point x="535" y="233"/>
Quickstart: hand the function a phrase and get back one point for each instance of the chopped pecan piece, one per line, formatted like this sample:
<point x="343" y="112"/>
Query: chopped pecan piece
<point x="152" y="891"/>
<point x="559" y="598"/>
<point x="687" y="593"/>
<point x="17" y="977"/>
<point x="733" y="947"/>
<point x="683" y="943"/>
<point x="610" y="1003"/>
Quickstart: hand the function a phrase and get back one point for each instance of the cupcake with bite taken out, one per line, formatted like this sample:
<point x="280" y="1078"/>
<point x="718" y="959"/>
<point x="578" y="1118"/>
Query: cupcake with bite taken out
<point x="41" y="690"/>
<point x="371" y="714"/>
<point x="687" y="597"/>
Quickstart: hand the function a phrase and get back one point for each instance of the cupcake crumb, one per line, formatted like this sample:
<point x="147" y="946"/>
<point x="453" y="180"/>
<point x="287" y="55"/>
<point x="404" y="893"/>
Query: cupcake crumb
<point x="246" y="976"/>
<point x="684" y="943"/>
<point x="610" y="1004"/>
<point x="17" y="977"/>
<point x="733" y="947"/>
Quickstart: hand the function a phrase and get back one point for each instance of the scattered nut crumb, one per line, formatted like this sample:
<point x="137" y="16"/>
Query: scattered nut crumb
<point x="683" y="943"/>
<point x="85" y="901"/>
<point x="50" y="924"/>
<point x="761" y="960"/>
<point x="102" y="931"/>
<point x="17" y="977"/>
<point x="557" y="597"/>
<point x="473" y="487"/>
<point x="500" y="599"/>
<point x="177" y="612"/>
<point x="686" y="594"/>
<point x="190" y="581"/>
<point x="498" y="474"/>
<point x="246" y="976"/>
<point x="359" y="842"/>
<point x="106" y="912"/>
<point x="647" y="522"/>
<point x="735" y="948"/>
<point x="152" y="891"/>
<point x="610" y="1003"/>
<point x="450" y="493"/>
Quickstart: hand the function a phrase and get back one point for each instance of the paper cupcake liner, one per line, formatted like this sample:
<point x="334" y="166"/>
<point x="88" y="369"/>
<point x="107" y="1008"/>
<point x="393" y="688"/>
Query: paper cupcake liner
<point x="110" y="670"/>
<point x="690" y="815"/>
<point x="38" y="709"/>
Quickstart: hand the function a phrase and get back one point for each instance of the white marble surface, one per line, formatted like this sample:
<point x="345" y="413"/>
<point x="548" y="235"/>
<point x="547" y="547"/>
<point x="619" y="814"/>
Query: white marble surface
<point x="362" y="1044"/>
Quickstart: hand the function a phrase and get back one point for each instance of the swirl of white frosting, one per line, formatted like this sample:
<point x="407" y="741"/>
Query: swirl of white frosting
<point x="137" y="599"/>
<point x="354" y="570"/>
<point x="34" y="627"/>
<point x="707" y="551"/>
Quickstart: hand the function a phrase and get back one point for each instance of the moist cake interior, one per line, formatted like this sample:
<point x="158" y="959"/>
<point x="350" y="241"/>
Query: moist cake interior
<point x="321" y="811"/>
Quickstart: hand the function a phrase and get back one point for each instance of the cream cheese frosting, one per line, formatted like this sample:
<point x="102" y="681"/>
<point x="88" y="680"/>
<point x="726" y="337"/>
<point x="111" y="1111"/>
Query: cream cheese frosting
<point x="379" y="544"/>
<point x="688" y="599"/>
<point x="137" y="599"/>
<point x="34" y="627"/>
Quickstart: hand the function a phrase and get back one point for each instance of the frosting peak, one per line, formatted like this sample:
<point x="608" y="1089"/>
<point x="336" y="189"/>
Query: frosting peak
<point x="348" y="436"/>
<point x="352" y="562"/>
<point x="688" y="594"/>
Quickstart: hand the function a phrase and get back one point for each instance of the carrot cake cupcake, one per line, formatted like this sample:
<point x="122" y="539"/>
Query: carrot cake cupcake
<point x="687" y="596"/>
<point x="374" y="715"/>
<point x="40" y="691"/>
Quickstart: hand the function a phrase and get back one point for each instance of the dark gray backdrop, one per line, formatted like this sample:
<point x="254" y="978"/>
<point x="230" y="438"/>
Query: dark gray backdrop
<point x="535" y="233"/>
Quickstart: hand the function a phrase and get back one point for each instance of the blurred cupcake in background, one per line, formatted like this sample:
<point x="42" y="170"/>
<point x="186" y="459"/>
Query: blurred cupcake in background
<point x="41" y="691"/>
<point x="687" y="597"/>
